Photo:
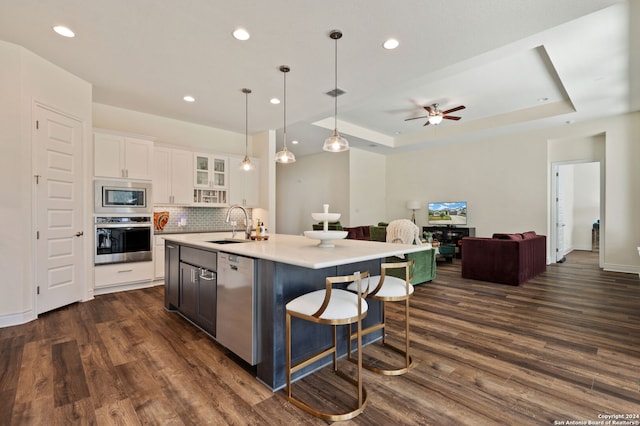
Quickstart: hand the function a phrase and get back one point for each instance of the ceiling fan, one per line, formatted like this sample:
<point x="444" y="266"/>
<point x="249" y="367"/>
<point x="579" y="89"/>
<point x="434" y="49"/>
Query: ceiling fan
<point x="435" y="116"/>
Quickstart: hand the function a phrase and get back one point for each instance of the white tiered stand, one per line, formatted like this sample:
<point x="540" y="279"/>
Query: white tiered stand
<point x="325" y="236"/>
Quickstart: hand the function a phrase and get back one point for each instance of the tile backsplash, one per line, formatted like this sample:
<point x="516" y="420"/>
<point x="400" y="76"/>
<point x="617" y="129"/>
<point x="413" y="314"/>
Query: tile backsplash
<point x="200" y="219"/>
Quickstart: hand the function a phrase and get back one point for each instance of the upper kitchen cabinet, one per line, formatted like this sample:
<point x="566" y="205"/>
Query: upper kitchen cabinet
<point x="172" y="177"/>
<point x="120" y="156"/>
<point x="244" y="185"/>
<point x="211" y="171"/>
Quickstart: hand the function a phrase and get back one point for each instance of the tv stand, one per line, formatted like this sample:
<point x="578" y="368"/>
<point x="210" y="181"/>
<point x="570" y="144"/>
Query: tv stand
<point x="450" y="235"/>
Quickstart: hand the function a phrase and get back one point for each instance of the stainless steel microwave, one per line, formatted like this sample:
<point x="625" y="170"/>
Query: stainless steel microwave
<point x="127" y="197"/>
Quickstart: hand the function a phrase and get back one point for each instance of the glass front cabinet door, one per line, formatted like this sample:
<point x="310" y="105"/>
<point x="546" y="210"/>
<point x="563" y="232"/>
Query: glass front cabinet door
<point x="210" y="171"/>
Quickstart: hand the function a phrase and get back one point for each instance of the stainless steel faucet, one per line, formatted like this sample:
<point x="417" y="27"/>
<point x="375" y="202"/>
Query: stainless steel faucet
<point x="247" y="222"/>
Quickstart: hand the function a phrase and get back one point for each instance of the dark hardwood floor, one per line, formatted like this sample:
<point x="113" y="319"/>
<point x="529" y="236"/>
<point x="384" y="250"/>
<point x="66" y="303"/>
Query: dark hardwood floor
<point x="562" y="347"/>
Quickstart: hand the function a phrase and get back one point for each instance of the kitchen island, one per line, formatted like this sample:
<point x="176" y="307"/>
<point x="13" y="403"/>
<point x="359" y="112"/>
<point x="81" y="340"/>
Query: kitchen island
<point x="284" y="267"/>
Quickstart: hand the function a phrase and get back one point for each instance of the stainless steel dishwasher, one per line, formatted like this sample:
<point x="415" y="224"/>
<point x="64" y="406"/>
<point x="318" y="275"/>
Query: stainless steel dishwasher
<point x="236" y="323"/>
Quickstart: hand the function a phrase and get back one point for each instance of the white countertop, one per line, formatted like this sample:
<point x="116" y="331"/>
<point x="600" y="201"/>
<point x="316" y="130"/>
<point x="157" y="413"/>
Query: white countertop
<point x="301" y="251"/>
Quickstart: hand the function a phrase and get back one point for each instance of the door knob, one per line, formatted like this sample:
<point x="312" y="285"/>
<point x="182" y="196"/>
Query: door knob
<point x="79" y="234"/>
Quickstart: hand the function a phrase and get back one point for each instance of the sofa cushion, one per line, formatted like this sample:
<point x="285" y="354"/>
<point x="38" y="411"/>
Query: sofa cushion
<point x="528" y="235"/>
<point x="507" y="236"/>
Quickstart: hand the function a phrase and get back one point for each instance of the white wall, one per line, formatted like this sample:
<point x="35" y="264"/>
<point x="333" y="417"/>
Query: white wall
<point x="304" y="186"/>
<point x="25" y="79"/>
<point x="506" y="180"/>
<point x="503" y="180"/>
<point x="264" y="148"/>
<point x="15" y="189"/>
<point x="168" y="130"/>
<point x="367" y="188"/>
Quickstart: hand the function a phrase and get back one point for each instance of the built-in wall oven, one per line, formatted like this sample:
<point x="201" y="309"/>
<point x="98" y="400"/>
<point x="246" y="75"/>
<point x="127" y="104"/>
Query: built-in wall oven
<point x="123" y="239"/>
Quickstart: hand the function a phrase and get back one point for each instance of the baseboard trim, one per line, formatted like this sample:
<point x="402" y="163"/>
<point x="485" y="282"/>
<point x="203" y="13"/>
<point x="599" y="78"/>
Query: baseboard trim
<point x="627" y="269"/>
<point x="124" y="287"/>
<point x="17" y="319"/>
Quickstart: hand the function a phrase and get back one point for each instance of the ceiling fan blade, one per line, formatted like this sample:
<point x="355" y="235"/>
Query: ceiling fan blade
<point x="415" y="118"/>
<point x="429" y="109"/>
<point x="451" y="117"/>
<point x="426" y="124"/>
<point x="458" y="108"/>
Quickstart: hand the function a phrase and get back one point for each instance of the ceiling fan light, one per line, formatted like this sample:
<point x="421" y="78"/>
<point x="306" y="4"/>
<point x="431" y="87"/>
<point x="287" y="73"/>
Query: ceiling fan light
<point x="285" y="156"/>
<point x="435" y="119"/>
<point x="335" y="143"/>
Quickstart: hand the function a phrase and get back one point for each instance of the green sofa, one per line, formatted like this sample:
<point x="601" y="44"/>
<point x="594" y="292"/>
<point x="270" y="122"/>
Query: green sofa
<point x="424" y="262"/>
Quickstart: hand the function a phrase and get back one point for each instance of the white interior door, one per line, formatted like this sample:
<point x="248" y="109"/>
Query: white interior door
<point x="560" y="221"/>
<point x="59" y="212"/>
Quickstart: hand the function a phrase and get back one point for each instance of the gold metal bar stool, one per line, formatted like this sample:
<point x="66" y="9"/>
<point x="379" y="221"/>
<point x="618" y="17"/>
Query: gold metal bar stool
<point x="333" y="307"/>
<point x="389" y="289"/>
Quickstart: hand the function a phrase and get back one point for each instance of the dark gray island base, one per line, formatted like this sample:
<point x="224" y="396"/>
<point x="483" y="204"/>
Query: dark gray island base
<point x="197" y="285"/>
<point x="278" y="283"/>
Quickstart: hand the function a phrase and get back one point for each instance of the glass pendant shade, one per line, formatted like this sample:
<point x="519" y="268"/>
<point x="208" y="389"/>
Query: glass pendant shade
<point x="335" y="143"/>
<point x="285" y="156"/>
<point x="246" y="164"/>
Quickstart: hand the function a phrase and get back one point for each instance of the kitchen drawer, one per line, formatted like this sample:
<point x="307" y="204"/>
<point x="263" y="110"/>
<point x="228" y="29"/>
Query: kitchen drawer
<point x="196" y="257"/>
<point x="123" y="273"/>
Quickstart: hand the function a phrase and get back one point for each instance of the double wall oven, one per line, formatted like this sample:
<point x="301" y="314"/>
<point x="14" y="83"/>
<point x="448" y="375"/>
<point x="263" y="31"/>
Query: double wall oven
<point x="123" y="225"/>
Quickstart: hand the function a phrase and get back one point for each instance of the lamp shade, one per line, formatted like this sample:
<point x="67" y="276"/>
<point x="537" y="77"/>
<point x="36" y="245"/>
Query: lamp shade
<point x="335" y="143"/>
<point x="413" y="205"/>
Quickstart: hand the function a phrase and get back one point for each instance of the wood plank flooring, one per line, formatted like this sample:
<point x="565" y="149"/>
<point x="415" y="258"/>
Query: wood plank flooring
<point x="562" y="347"/>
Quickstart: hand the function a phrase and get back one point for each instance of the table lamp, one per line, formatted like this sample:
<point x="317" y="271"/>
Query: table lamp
<point x="413" y="206"/>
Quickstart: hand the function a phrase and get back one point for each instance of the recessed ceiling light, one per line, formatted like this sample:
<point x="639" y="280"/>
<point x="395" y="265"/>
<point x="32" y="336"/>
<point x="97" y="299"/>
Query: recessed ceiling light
<point x="275" y="101"/>
<point x="63" y="31"/>
<point x="241" y="34"/>
<point x="294" y="142"/>
<point x="390" y="44"/>
<point x="189" y="98"/>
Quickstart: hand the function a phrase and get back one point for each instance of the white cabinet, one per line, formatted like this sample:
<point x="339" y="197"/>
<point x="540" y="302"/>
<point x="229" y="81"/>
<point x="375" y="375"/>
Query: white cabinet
<point x="210" y="171"/>
<point x="244" y="186"/>
<point x="172" y="176"/>
<point x="119" y="274"/>
<point x="158" y="257"/>
<point x="120" y="156"/>
<point x="211" y="180"/>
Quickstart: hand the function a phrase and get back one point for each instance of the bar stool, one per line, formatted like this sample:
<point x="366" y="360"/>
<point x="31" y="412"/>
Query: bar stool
<point x="389" y="289"/>
<point x="333" y="307"/>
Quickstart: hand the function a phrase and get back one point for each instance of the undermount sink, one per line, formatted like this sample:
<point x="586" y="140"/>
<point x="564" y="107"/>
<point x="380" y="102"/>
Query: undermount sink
<point x="227" y="241"/>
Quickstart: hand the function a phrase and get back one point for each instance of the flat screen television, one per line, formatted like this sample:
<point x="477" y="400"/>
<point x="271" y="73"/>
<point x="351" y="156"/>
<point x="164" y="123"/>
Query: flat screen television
<point x="450" y="214"/>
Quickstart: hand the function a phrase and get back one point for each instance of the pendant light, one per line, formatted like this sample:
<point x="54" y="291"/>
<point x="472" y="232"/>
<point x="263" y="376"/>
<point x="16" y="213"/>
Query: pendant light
<point x="335" y="142"/>
<point x="285" y="156"/>
<point x="246" y="164"/>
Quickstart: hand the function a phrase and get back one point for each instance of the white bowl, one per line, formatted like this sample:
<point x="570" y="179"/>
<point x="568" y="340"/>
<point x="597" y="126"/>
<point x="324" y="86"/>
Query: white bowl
<point x="326" y="237"/>
<point x="329" y="217"/>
